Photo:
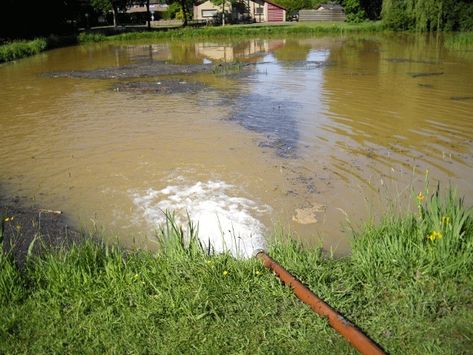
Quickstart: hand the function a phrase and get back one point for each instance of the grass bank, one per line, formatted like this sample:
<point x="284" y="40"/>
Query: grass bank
<point x="238" y="31"/>
<point x="408" y="284"/>
<point x="20" y="49"/>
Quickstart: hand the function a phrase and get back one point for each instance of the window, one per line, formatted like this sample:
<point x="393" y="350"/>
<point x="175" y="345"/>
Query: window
<point x="209" y="13"/>
<point x="259" y="10"/>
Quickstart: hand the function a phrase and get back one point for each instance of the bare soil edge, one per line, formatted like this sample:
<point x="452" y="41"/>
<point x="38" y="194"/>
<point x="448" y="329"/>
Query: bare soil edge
<point x="30" y="229"/>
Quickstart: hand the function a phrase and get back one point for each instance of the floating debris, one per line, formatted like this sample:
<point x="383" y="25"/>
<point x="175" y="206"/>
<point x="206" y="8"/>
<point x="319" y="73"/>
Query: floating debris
<point x="428" y="86"/>
<point x="308" y="215"/>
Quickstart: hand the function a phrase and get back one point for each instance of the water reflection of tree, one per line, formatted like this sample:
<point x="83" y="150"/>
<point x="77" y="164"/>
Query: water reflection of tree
<point x="292" y="50"/>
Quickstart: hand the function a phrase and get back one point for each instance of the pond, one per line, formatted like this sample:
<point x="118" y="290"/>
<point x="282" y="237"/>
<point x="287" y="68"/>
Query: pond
<point x="311" y="135"/>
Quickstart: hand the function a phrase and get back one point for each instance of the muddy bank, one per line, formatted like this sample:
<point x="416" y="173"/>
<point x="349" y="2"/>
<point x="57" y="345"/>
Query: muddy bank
<point x="26" y="226"/>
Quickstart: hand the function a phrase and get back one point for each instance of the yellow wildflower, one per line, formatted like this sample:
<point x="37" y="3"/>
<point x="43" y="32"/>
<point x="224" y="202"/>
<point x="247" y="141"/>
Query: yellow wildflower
<point x="225" y="273"/>
<point x="9" y="219"/>
<point x="420" y="197"/>
<point x="435" y="235"/>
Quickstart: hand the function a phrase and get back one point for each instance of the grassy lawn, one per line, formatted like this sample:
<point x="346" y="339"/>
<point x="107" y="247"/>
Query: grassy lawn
<point x="408" y="284"/>
<point x="238" y="31"/>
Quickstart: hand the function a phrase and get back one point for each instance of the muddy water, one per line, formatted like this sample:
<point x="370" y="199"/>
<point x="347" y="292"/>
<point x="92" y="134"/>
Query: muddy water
<point x="309" y="134"/>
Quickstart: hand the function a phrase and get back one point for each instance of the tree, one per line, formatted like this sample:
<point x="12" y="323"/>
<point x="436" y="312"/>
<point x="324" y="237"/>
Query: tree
<point x="221" y="3"/>
<point x="292" y="6"/>
<point x="106" y="6"/>
<point x="185" y="6"/>
<point x="148" y="14"/>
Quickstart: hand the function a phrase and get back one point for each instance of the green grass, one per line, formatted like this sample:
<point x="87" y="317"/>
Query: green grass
<point x="411" y="294"/>
<point x="462" y="40"/>
<point x="238" y="31"/>
<point x="21" y="49"/>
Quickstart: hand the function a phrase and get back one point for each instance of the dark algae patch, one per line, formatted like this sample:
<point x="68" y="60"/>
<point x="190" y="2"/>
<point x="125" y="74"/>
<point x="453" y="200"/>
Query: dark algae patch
<point x="408" y="60"/>
<point x="155" y="69"/>
<point x="162" y="86"/>
<point x="150" y="70"/>
<point x="461" y="98"/>
<point x="274" y="119"/>
<point x="422" y="74"/>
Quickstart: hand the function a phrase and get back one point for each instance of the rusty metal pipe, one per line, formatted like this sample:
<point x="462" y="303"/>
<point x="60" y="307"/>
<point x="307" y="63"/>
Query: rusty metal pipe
<point x="354" y="335"/>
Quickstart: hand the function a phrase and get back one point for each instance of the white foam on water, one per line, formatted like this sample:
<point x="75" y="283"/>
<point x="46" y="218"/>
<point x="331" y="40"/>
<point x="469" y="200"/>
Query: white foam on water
<point x="224" y="220"/>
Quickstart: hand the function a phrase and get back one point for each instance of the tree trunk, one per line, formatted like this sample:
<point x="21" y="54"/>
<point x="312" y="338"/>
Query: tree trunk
<point x="223" y="13"/>
<point x="184" y="12"/>
<point x="114" y="12"/>
<point x="148" y="14"/>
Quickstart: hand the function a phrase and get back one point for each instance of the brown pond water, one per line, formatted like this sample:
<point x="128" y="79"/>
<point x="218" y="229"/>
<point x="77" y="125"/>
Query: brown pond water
<point x="311" y="134"/>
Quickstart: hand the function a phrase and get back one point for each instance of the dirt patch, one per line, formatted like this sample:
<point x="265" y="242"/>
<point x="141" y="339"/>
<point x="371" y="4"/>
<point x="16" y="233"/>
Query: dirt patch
<point x="32" y="229"/>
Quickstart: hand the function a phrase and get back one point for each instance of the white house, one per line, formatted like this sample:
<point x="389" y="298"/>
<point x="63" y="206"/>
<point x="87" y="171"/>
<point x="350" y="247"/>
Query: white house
<point x="241" y="11"/>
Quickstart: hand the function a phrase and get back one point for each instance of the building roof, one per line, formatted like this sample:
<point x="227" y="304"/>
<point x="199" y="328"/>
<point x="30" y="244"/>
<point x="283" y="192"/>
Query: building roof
<point x="273" y="3"/>
<point x="330" y="7"/>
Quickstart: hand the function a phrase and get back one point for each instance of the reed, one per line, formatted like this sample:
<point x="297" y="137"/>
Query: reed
<point x="461" y="41"/>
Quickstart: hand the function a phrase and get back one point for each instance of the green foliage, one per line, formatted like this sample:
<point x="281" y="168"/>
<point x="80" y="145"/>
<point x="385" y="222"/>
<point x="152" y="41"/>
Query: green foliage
<point x="394" y="15"/>
<point x="103" y="6"/>
<point x="354" y="11"/>
<point x="172" y="10"/>
<point x="20" y="49"/>
<point x="428" y="15"/>
<point x="293" y="6"/>
<point x="85" y="37"/>
<point x="438" y="241"/>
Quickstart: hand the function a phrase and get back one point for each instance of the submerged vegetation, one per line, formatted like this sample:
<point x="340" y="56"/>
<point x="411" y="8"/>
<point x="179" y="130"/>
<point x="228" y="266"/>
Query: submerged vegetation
<point x="460" y="41"/>
<point x="408" y="284"/>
